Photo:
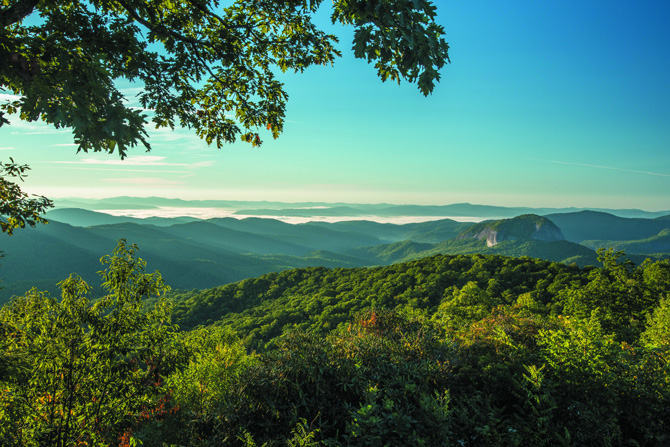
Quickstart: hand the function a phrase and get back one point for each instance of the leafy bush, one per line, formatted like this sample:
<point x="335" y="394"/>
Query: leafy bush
<point x="83" y="372"/>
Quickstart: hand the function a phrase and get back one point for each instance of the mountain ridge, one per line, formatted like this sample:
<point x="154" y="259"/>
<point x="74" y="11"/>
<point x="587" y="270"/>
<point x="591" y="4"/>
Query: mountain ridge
<point x="199" y="253"/>
<point x="316" y="209"/>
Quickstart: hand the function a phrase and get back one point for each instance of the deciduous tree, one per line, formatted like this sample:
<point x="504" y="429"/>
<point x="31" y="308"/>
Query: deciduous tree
<point x="206" y="65"/>
<point x="78" y="372"/>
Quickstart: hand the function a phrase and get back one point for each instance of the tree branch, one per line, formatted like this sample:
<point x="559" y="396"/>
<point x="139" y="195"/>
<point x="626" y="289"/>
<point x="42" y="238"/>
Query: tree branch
<point x="158" y="28"/>
<point x="17" y="12"/>
<point x="207" y="12"/>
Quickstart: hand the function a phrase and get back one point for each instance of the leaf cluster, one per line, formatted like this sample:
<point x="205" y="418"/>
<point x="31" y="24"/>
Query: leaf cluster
<point x="17" y="209"/>
<point x="200" y="64"/>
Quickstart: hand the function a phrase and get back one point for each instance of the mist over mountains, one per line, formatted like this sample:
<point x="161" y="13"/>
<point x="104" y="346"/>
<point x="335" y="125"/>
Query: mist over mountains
<point x="201" y="253"/>
<point x="341" y="210"/>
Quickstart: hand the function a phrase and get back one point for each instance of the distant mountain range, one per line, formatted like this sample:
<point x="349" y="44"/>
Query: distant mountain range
<point x="80" y="217"/>
<point x="193" y="253"/>
<point x="455" y="210"/>
<point x="323" y="209"/>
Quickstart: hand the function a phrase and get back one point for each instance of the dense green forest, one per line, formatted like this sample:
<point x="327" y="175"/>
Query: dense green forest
<point x="473" y="350"/>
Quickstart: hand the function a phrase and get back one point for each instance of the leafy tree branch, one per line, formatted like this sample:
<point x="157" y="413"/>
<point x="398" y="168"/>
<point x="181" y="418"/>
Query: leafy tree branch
<point x="201" y="65"/>
<point x="17" y="209"/>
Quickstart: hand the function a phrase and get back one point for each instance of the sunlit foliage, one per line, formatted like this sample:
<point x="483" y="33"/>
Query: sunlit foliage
<point x="450" y="350"/>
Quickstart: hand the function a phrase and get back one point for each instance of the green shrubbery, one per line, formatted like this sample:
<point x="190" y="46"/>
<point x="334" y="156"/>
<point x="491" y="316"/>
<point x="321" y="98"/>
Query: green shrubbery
<point x="461" y="350"/>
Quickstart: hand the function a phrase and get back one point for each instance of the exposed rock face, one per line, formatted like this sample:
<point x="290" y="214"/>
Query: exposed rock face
<point x="521" y="228"/>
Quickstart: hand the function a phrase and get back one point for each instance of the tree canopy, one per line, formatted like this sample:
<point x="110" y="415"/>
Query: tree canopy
<point x="206" y="65"/>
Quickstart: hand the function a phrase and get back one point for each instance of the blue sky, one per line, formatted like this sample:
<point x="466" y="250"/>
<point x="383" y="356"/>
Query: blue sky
<point x="544" y="104"/>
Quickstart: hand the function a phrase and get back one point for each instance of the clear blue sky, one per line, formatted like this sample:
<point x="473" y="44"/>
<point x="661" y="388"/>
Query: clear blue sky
<point x="545" y="103"/>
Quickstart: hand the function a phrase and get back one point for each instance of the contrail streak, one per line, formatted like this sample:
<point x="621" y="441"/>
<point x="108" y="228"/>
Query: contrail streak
<point x="600" y="167"/>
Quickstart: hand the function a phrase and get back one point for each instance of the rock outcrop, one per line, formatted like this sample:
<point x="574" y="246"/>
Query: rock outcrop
<point x="528" y="227"/>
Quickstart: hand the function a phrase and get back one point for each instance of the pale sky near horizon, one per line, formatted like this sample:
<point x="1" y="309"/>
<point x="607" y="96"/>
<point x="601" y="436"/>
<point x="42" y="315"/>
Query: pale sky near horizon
<point x="545" y="104"/>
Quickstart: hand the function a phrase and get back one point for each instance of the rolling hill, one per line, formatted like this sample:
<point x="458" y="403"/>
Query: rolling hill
<point x="193" y="253"/>
<point x="591" y="225"/>
<point x="187" y="257"/>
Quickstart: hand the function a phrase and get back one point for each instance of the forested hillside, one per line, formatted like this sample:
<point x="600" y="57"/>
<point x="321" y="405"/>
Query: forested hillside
<point x="659" y="243"/>
<point x="473" y="350"/>
<point x="218" y="251"/>
<point x="319" y="299"/>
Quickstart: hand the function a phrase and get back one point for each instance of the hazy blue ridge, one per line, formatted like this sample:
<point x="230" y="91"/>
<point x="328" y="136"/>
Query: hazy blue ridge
<point x="208" y="234"/>
<point x="185" y="261"/>
<point x="454" y="210"/>
<point x="431" y="231"/>
<point x="310" y="235"/>
<point x="208" y="253"/>
<point x="86" y="218"/>
<point x="592" y="225"/>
